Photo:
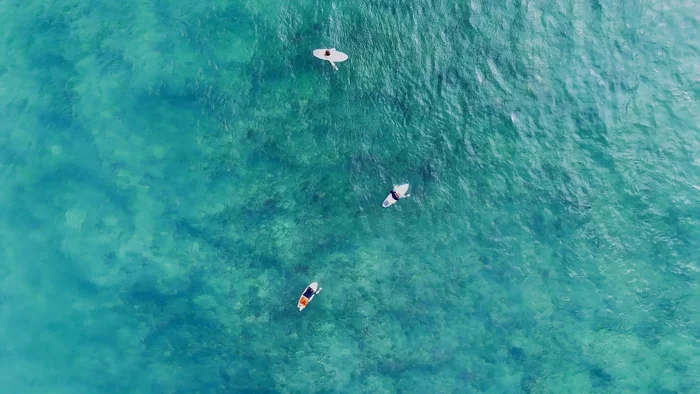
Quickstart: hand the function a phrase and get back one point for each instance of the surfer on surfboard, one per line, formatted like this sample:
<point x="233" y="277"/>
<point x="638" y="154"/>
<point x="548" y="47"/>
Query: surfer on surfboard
<point x="331" y="55"/>
<point x="397" y="193"/>
<point x="308" y="295"/>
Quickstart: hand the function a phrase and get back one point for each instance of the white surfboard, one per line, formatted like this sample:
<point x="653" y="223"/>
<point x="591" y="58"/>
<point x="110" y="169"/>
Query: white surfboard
<point x="334" y="57"/>
<point x="309" y="292"/>
<point x="400" y="190"/>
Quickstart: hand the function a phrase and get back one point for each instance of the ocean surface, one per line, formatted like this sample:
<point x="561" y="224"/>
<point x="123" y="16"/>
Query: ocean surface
<point x="174" y="173"/>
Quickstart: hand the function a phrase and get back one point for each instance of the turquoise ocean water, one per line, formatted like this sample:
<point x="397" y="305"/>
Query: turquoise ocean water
<point x="174" y="173"/>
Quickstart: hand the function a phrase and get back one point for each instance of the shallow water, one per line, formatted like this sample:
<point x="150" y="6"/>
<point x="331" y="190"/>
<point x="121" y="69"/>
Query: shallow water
<point x="175" y="173"/>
